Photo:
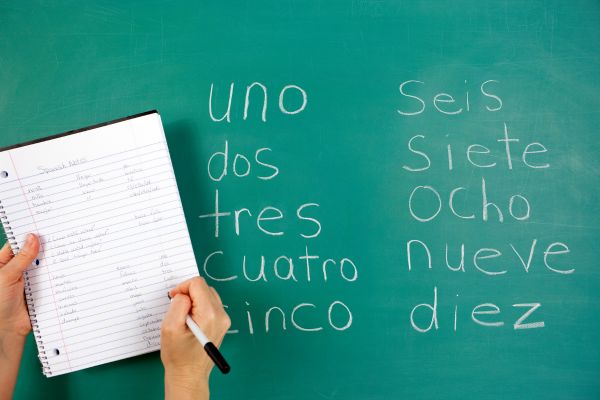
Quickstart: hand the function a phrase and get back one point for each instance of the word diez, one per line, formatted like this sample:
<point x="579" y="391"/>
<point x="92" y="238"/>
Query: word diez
<point x="427" y="203"/>
<point x="464" y="203"/>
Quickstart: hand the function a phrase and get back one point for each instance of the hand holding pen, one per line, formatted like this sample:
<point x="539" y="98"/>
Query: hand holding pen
<point x="187" y="361"/>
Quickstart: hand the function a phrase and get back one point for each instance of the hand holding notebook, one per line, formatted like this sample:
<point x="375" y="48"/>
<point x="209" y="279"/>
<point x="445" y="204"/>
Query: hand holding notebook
<point x="105" y="205"/>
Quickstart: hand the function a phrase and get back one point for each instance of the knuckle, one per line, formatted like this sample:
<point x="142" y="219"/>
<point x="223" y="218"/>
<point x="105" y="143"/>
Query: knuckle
<point x="181" y="298"/>
<point x="195" y="285"/>
<point x="214" y="291"/>
<point x="166" y="331"/>
<point x="226" y="321"/>
<point x="24" y="255"/>
<point x="210" y="314"/>
<point x="197" y="281"/>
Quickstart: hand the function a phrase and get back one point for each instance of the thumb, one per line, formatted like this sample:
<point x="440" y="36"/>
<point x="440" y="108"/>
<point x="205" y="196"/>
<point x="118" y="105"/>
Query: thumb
<point x="19" y="263"/>
<point x="179" y="309"/>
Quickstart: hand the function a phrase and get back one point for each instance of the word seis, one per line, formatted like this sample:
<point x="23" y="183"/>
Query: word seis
<point x="465" y="202"/>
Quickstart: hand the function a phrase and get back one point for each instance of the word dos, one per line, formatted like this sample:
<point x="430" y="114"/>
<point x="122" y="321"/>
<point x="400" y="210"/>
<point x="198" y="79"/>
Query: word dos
<point x="241" y="166"/>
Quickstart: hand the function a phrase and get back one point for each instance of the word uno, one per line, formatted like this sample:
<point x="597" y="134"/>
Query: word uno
<point x="240" y="166"/>
<point x="286" y="90"/>
<point x="445" y="103"/>
<point x="477" y="315"/>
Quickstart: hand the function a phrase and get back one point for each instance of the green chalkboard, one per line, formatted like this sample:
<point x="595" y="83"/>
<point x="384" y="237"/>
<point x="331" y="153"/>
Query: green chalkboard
<point x="377" y="115"/>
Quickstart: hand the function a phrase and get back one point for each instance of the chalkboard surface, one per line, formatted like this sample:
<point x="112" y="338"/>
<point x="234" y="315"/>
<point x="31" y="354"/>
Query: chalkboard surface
<point x="407" y="192"/>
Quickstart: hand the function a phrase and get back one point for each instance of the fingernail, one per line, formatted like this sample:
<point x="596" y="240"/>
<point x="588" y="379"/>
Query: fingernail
<point x="29" y="239"/>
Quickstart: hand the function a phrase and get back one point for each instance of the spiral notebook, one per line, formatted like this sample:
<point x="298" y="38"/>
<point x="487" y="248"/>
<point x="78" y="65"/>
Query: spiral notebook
<point x="105" y="204"/>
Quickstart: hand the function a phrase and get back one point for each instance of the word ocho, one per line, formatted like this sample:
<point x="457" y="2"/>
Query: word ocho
<point x="426" y="201"/>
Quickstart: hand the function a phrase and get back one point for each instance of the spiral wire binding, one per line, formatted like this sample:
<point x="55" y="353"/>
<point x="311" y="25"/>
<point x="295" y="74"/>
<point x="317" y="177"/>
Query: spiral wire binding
<point x="10" y="236"/>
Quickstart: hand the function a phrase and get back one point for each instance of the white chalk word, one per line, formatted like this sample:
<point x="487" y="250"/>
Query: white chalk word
<point x="446" y="103"/>
<point x="478" y="155"/>
<point x="302" y="268"/>
<point x="424" y="316"/>
<point x="292" y="100"/>
<point x="268" y="220"/>
<point x="430" y="203"/>
<point x="303" y="317"/>
<point x="489" y="261"/>
<point x="222" y="163"/>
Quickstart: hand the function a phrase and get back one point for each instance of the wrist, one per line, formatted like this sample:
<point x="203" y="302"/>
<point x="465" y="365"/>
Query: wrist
<point x="20" y="328"/>
<point x="11" y="344"/>
<point x="11" y="351"/>
<point x="186" y="385"/>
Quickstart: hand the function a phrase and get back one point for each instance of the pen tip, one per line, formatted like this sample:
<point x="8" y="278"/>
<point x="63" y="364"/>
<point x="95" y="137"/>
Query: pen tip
<point x="169" y="295"/>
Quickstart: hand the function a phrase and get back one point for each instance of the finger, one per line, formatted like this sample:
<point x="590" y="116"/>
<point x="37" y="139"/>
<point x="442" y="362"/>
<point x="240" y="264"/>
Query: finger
<point x="203" y="307"/>
<point x="196" y="288"/>
<point x="216" y="295"/>
<point x="19" y="263"/>
<point x="176" y="314"/>
<point x="6" y="254"/>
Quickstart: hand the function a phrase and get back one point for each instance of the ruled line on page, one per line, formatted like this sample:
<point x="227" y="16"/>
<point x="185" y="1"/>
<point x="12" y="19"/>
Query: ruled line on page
<point x="113" y="236"/>
<point x="117" y="285"/>
<point x="90" y="161"/>
<point x="96" y="197"/>
<point x="130" y="197"/>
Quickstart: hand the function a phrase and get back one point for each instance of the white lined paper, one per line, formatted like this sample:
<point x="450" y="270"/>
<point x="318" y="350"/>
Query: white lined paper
<point x="105" y="205"/>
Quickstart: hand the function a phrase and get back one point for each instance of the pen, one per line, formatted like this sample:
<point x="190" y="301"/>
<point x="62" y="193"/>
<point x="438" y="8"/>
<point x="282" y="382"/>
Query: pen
<point x="212" y="350"/>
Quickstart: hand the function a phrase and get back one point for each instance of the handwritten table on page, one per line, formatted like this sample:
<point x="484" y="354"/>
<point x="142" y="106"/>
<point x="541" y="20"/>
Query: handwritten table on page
<point x="105" y="204"/>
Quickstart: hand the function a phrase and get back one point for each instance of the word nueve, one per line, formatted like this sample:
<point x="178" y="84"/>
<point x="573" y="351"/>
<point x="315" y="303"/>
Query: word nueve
<point x="286" y="90"/>
<point x="483" y="258"/>
<point x="477" y="315"/>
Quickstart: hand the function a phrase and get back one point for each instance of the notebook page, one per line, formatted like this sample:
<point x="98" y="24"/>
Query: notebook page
<point x="105" y="205"/>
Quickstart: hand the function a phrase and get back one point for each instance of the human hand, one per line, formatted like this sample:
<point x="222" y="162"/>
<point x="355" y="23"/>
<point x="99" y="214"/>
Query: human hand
<point x="14" y="320"/>
<point x="187" y="366"/>
<point x="13" y="311"/>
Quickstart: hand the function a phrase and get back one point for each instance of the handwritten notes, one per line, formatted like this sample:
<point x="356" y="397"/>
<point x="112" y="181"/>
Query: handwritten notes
<point x="114" y="239"/>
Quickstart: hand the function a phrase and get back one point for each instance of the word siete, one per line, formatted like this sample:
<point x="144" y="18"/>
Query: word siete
<point x="426" y="202"/>
<point x="503" y="151"/>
